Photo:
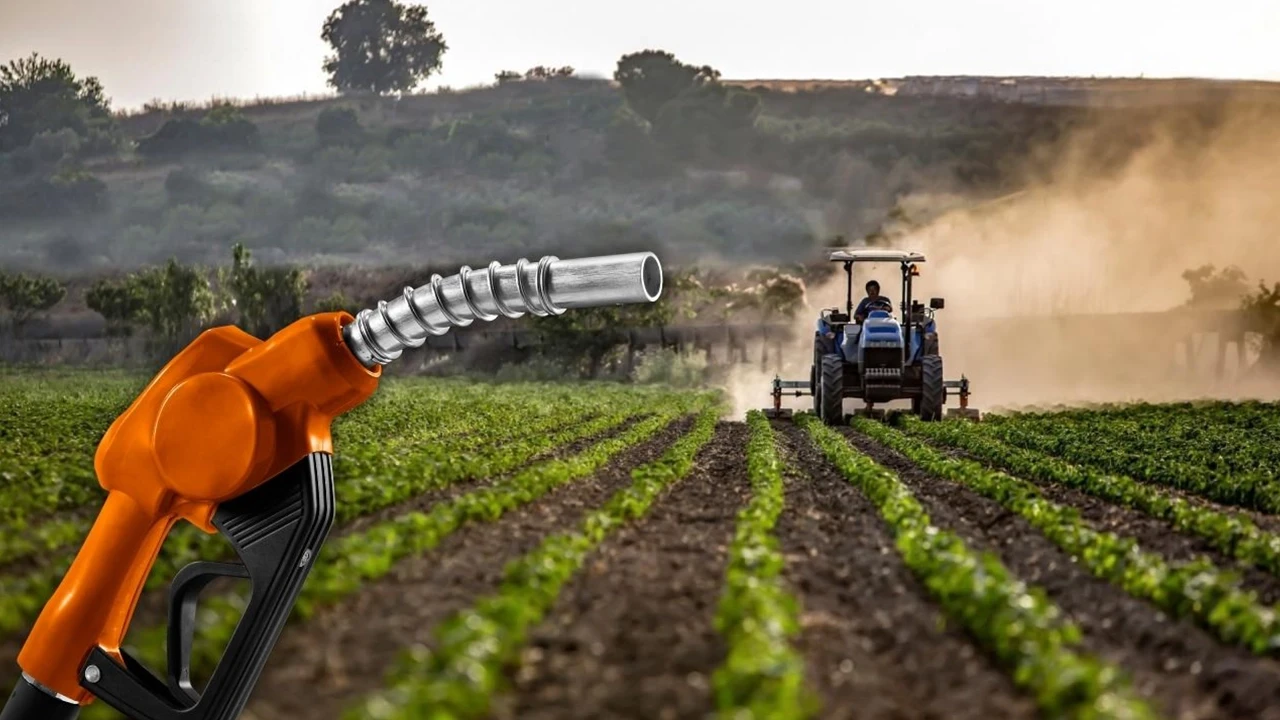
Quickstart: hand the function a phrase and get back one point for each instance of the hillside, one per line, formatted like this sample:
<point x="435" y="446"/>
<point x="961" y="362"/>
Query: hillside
<point x="371" y="193"/>
<point x="517" y="169"/>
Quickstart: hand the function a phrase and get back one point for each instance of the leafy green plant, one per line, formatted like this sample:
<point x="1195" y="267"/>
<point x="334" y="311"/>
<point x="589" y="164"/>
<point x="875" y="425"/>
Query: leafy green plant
<point x="1018" y="625"/>
<point x="395" y="447"/>
<point x="763" y="675"/>
<point x="1230" y="461"/>
<point x="346" y="564"/>
<point x="460" y="677"/>
<point x="1197" y="589"/>
<point x="1232" y="533"/>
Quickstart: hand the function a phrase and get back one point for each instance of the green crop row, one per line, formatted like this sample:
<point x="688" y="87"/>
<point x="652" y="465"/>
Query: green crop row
<point x="54" y="472"/>
<point x="1110" y="451"/>
<point x="1208" y="419"/>
<point x="49" y="429"/>
<point x="1196" y="589"/>
<point x="459" y="678"/>
<point x="22" y="597"/>
<point x="424" y="457"/>
<point x="1018" y="625"/>
<point x="345" y="565"/>
<point x="1233" y="534"/>
<point x="1228" y="452"/>
<point x="763" y="675"/>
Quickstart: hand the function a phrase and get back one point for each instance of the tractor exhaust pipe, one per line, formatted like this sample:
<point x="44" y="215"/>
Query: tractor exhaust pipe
<point x="547" y="287"/>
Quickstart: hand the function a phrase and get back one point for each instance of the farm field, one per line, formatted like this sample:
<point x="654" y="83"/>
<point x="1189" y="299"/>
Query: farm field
<point x="542" y="550"/>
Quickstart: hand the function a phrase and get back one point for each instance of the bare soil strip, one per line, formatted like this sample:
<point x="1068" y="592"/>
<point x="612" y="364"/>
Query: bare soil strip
<point x="872" y="637"/>
<point x="345" y="651"/>
<point x="632" y="635"/>
<point x="1183" y="670"/>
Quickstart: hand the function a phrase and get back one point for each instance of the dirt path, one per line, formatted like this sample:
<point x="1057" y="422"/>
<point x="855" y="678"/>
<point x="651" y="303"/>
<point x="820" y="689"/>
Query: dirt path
<point x="872" y="640"/>
<point x="1187" y="673"/>
<point x="346" y="650"/>
<point x="632" y="635"/>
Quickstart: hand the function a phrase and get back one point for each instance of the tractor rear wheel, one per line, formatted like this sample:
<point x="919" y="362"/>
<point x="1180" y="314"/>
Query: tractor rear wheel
<point x="832" y="382"/>
<point x="933" y="395"/>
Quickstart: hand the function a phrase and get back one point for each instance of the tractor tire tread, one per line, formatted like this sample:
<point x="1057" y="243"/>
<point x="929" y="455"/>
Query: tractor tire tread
<point x="933" y="394"/>
<point x="832" y="380"/>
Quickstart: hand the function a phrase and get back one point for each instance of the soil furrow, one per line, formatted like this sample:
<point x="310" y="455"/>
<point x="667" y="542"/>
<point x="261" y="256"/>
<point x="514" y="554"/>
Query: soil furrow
<point x="872" y="638"/>
<point x="346" y="650"/>
<point x="1152" y="533"/>
<point x="632" y="635"/>
<point x="1185" y="671"/>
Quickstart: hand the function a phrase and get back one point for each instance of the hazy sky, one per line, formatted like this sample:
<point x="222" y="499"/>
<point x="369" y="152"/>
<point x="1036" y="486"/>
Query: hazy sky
<point x="195" y="49"/>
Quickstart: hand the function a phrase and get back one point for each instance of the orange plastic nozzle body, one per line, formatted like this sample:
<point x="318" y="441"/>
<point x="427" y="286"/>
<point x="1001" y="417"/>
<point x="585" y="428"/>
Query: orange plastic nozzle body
<point x="223" y="416"/>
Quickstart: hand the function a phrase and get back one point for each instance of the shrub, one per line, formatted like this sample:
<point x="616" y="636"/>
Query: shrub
<point x="24" y="295"/>
<point x="69" y="193"/>
<point x="266" y="299"/>
<point x="118" y="302"/>
<point x="221" y="131"/>
<point x="537" y="368"/>
<point x="337" y="301"/>
<point x="52" y="147"/>
<point x="669" y="367"/>
<point x="185" y="185"/>
<point x="339" y="126"/>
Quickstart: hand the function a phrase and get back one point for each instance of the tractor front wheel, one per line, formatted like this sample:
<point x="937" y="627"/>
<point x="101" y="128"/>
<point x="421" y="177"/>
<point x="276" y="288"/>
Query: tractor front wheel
<point x="832" y="382"/>
<point x="933" y="394"/>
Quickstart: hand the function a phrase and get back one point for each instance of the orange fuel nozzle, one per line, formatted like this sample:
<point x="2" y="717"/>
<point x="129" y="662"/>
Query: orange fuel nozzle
<point x="221" y="418"/>
<point x="233" y="436"/>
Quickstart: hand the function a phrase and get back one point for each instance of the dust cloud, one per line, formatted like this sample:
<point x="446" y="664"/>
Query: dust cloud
<point x="1019" y="272"/>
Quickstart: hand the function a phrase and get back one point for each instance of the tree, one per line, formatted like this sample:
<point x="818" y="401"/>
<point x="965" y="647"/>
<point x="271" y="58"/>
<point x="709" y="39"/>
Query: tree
<point x="781" y="294"/>
<point x="544" y="72"/>
<point x="176" y="300"/>
<point x="381" y="46"/>
<point x="265" y="299"/>
<point x="38" y="95"/>
<point x="1262" y="313"/>
<point x="652" y="78"/>
<point x="118" y="302"/>
<point x="26" y="295"/>
<point x="1213" y="288"/>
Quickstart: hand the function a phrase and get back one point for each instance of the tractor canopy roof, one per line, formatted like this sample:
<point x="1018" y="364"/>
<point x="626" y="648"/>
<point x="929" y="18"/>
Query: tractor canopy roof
<point x="865" y="255"/>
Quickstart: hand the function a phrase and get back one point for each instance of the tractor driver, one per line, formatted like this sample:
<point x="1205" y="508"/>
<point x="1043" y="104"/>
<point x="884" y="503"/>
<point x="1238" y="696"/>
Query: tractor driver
<point x="871" y="301"/>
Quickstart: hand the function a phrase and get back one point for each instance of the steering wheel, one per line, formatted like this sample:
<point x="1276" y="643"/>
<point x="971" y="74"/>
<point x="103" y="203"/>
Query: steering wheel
<point x="880" y="303"/>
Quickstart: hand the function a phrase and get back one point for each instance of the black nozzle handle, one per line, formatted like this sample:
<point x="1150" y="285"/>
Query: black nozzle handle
<point x="32" y="702"/>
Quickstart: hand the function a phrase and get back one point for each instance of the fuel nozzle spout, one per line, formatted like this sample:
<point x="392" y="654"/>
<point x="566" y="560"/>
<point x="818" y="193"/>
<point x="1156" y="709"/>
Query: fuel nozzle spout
<point x="548" y="287"/>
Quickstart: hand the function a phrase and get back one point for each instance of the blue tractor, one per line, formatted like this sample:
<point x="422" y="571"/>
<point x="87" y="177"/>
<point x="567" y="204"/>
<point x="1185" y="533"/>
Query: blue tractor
<point x="881" y="358"/>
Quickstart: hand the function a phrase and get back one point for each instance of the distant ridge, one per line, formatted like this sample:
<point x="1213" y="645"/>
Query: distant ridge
<point x="1036" y="90"/>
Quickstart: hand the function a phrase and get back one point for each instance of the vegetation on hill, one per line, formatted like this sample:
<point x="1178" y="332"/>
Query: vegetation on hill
<point x="110" y="211"/>
<point x="668" y="157"/>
